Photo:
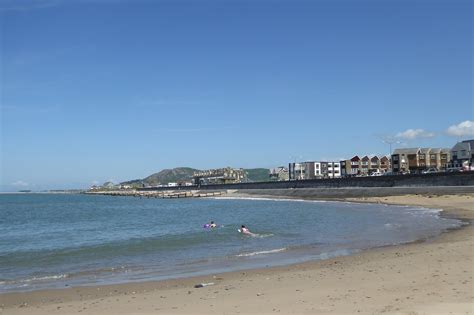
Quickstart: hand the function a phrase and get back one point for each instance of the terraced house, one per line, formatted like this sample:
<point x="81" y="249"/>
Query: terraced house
<point x="419" y="159"/>
<point x="385" y="164"/>
<point x="365" y="166"/>
<point x="374" y="165"/>
<point x="439" y="158"/>
<point x="404" y="160"/>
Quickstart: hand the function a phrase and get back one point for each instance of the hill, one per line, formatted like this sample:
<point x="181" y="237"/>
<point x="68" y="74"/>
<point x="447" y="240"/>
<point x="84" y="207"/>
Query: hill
<point x="257" y="174"/>
<point x="186" y="174"/>
<point x="164" y="177"/>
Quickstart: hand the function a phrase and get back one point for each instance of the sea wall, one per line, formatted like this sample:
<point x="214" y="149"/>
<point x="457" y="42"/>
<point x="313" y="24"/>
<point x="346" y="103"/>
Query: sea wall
<point x="356" y="192"/>
<point x="418" y="180"/>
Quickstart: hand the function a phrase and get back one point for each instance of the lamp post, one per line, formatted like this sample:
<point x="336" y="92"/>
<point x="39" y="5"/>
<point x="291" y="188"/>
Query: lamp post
<point x="391" y="141"/>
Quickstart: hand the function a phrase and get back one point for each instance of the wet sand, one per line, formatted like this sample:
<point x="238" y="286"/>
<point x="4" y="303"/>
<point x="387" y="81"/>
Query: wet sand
<point x="429" y="277"/>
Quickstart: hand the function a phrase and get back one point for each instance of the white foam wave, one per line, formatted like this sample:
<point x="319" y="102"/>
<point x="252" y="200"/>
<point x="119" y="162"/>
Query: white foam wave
<point x="55" y="277"/>
<point x="263" y="235"/>
<point x="267" y="199"/>
<point x="263" y="252"/>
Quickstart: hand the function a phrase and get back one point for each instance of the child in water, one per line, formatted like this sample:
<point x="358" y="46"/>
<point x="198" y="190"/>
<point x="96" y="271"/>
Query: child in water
<point x="210" y="225"/>
<point x="245" y="230"/>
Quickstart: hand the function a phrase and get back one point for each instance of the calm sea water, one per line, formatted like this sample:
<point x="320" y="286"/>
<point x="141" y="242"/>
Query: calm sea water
<point x="52" y="240"/>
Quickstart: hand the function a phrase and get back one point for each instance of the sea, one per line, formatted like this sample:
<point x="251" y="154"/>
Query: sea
<point x="64" y="240"/>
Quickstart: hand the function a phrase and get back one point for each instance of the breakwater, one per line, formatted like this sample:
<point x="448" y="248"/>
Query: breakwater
<point x="158" y="194"/>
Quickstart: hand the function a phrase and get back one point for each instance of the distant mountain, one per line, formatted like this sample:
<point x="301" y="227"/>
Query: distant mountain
<point x="165" y="176"/>
<point x="257" y="174"/>
<point x="186" y="174"/>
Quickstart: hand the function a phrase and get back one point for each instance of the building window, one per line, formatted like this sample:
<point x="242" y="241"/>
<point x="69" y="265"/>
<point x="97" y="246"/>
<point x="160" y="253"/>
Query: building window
<point x="433" y="157"/>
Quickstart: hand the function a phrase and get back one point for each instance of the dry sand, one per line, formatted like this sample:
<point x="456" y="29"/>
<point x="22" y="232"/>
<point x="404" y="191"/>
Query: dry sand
<point x="431" y="277"/>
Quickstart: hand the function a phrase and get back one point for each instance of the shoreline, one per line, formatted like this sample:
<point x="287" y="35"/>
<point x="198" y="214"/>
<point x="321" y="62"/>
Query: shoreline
<point x="120" y="297"/>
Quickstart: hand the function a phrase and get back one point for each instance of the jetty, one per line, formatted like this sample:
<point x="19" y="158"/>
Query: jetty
<point x="169" y="194"/>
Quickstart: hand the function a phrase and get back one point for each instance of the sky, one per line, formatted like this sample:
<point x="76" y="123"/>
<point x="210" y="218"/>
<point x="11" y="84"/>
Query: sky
<point x="98" y="90"/>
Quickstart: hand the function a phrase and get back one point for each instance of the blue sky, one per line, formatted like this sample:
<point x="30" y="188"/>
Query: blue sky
<point x="96" y="90"/>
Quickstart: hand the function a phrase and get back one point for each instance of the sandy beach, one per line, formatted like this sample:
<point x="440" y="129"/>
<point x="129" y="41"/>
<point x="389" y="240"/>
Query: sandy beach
<point x="425" y="277"/>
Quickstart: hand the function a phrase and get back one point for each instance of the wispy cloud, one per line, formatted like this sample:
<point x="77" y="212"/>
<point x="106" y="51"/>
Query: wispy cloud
<point x="412" y="134"/>
<point x="20" y="183"/>
<point x="465" y="128"/>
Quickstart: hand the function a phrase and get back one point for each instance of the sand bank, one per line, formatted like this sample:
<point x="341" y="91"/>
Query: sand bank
<point x="432" y="277"/>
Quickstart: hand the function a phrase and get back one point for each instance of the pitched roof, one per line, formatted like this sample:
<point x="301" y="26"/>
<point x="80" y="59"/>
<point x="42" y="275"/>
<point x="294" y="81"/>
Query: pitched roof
<point x="406" y="151"/>
<point x="467" y="145"/>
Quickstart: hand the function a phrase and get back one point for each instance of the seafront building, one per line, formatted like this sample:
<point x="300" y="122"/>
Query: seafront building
<point x="405" y="159"/>
<point x="225" y="175"/>
<point x="327" y="169"/>
<point x="462" y="154"/>
<point x="350" y="167"/>
<point x="367" y="165"/>
<point x="297" y="171"/>
<point x="314" y="170"/>
<point x="418" y="159"/>
<point x="279" y="174"/>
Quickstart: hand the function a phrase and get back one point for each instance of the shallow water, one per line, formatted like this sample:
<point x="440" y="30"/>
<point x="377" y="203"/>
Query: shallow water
<point x="52" y="240"/>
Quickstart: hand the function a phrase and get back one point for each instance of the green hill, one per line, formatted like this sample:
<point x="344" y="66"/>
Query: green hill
<point x="257" y="174"/>
<point x="170" y="175"/>
<point x="186" y="174"/>
<point x="164" y="177"/>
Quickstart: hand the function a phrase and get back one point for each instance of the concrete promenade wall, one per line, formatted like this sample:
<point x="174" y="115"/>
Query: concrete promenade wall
<point x="356" y="192"/>
<point x="419" y="180"/>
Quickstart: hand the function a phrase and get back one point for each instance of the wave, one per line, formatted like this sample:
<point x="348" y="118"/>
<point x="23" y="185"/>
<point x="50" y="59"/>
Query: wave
<point x="263" y="235"/>
<point x="34" y="279"/>
<point x="267" y="199"/>
<point x="263" y="252"/>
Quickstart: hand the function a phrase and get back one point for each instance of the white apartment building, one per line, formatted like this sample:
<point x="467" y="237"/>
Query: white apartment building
<point x="327" y="169"/>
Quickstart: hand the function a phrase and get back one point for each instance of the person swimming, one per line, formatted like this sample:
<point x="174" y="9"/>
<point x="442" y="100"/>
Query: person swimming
<point x="210" y="225"/>
<point x="244" y="230"/>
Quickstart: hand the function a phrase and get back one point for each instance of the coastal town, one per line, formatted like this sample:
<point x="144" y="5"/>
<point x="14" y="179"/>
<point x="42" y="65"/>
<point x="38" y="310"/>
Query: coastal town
<point x="236" y="157"/>
<point x="402" y="161"/>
